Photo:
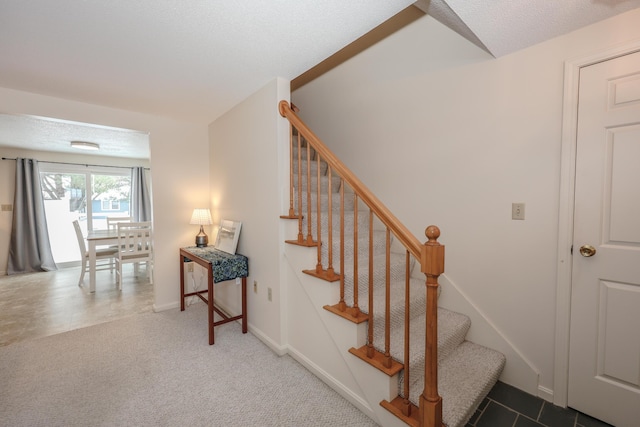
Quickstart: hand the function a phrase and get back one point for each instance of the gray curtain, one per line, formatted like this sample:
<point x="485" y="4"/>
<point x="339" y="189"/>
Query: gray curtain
<point x="140" y="197"/>
<point x="29" y="249"/>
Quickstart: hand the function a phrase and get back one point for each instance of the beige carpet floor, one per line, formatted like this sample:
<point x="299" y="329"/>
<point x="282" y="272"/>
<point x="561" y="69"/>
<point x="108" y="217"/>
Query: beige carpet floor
<point x="157" y="369"/>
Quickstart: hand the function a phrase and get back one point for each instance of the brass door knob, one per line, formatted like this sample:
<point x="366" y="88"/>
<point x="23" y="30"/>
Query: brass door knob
<point x="587" y="250"/>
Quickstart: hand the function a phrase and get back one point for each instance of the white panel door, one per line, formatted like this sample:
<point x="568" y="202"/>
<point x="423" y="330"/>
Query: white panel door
<point x="604" y="356"/>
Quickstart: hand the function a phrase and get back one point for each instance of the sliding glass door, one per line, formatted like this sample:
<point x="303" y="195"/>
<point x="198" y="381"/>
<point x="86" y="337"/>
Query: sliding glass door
<point x="110" y="197"/>
<point x="84" y="193"/>
<point x="64" y="201"/>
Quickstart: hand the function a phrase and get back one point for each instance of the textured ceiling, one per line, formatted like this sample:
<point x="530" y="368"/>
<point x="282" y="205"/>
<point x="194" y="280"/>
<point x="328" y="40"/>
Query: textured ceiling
<point x="45" y="134"/>
<point x="194" y="60"/>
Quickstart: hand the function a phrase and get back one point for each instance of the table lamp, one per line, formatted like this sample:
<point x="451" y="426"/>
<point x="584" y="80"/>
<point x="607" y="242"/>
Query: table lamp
<point x="201" y="217"/>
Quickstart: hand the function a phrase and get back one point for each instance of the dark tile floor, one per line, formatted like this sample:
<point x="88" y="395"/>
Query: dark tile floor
<point x="506" y="406"/>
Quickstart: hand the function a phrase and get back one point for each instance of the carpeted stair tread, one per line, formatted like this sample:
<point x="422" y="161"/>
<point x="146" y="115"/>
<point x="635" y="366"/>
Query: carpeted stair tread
<point x="379" y="248"/>
<point x="324" y="183"/>
<point x="464" y="380"/>
<point x="397" y="315"/>
<point x="313" y="164"/>
<point x="324" y="202"/>
<point x="303" y="152"/>
<point x="396" y="272"/>
<point x="452" y="330"/>
<point x="349" y="223"/>
<point x="466" y="371"/>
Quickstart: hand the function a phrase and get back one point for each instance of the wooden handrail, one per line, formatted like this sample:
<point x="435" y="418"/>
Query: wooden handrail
<point x="430" y="255"/>
<point x="380" y="210"/>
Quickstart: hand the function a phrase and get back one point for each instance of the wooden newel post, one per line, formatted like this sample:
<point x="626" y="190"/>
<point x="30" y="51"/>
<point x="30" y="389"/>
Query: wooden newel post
<point x="432" y="261"/>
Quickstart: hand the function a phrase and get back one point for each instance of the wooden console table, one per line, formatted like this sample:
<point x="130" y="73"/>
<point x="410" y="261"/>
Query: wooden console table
<point x="221" y="266"/>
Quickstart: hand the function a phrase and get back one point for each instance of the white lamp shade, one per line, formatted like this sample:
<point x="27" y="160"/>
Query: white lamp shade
<point x="201" y="217"/>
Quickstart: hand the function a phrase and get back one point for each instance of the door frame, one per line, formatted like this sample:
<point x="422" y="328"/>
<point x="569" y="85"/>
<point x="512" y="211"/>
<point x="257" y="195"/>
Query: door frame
<point x="566" y="208"/>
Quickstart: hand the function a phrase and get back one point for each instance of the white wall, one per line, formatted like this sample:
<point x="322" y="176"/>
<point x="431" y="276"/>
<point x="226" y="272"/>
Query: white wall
<point x="248" y="162"/>
<point x="179" y="172"/>
<point x="452" y="136"/>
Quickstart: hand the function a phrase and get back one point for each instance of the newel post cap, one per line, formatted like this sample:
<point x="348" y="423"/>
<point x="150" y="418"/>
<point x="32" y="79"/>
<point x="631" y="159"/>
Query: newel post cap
<point x="432" y="255"/>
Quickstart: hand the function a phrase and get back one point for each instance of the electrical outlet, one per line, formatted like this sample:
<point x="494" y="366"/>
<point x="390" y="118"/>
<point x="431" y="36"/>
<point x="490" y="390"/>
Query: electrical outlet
<point x="517" y="211"/>
<point x="190" y="267"/>
<point x="269" y="294"/>
<point x="255" y="286"/>
<point x="7" y="208"/>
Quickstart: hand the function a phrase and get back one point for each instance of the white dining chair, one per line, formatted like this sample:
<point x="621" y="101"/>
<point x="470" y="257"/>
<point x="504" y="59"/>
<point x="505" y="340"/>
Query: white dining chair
<point x="101" y="254"/>
<point x="134" y="246"/>
<point x="112" y="221"/>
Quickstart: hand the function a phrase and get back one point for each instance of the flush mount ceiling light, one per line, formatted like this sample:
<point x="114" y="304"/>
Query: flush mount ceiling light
<point x="85" y="145"/>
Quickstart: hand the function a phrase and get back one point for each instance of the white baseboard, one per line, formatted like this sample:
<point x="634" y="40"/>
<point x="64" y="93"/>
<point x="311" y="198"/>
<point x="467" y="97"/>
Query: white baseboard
<point x="545" y="393"/>
<point x="164" y="307"/>
<point x="278" y="349"/>
<point x="355" y="400"/>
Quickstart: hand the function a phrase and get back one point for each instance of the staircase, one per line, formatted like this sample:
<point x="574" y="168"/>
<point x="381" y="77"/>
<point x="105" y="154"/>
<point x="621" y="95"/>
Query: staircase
<point x="441" y="377"/>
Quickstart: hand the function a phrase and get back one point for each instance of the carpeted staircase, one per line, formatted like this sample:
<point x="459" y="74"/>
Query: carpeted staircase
<point x="466" y="371"/>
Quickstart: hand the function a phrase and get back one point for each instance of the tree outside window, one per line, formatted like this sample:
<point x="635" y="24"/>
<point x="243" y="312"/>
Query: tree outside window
<point x="89" y="196"/>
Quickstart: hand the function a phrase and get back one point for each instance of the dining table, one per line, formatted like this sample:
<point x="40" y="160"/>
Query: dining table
<point x="97" y="238"/>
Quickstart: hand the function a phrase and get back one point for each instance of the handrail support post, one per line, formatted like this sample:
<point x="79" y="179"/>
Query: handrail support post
<point x="432" y="263"/>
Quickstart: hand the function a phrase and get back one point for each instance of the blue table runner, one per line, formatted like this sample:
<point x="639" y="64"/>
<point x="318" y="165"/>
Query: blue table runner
<point x="225" y="266"/>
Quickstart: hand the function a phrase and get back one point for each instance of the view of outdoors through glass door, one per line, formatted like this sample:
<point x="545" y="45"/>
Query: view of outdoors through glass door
<point x="66" y="199"/>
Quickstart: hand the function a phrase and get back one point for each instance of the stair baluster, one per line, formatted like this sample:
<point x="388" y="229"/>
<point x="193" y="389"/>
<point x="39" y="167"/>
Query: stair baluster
<point x="387" y="303"/>
<point x="430" y="256"/>
<point x="406" y="404"/>
<point x="292" y="213"/>
<point x="370" y="348"/>
<point x="355" y="310"/>
<point x="342" y="305"/>
<point x="331" y="275"/>
<point x="309" y="241"/>
<point x="318" y="214"/>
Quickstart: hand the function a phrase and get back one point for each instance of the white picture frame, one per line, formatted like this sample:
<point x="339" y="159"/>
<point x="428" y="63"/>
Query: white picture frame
<point x="228" y="235"/>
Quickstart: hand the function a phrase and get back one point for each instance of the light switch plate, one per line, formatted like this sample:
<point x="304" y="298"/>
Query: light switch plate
<point x="517" y="211"/>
